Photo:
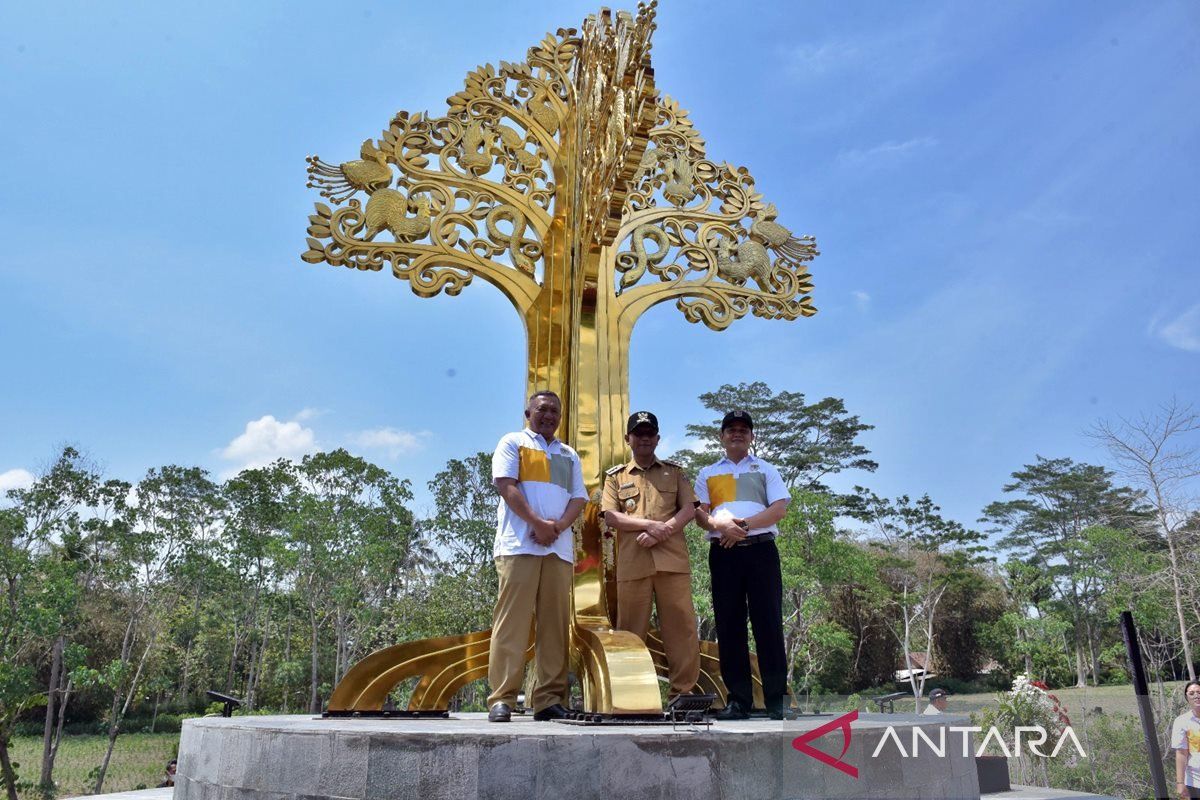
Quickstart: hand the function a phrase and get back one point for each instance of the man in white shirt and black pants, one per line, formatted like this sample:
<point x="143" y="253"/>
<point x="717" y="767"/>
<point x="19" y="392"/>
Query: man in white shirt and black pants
<point x="741" y="498"/>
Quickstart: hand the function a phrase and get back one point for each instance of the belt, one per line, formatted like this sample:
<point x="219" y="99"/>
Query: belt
<point x="751" y="540"/>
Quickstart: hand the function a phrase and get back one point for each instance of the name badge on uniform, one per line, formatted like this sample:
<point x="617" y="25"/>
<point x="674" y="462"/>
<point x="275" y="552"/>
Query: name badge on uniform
<point x="627" y="495"/>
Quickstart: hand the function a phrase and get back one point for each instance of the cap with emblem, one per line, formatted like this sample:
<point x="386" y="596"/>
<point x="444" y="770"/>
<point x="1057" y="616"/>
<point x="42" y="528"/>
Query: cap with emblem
<point x="936" y="693"/>
<point x="641" y="418"/>
<point x="737" y="416"/>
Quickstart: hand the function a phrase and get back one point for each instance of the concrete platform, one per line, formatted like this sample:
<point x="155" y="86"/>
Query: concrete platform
<point x="298" y="757"/>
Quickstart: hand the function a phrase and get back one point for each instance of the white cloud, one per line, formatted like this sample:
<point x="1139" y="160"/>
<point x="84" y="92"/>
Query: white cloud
<point x="862" y="300"/>
<point x="806" y="59"/>
<point x="392" y="441"/>
<point x="15" y="479"/>
<point x="265" y="440"/>
<point x="1182" y="332"/>
<point x="888" y="151"/>
<point x="307" y="414"/>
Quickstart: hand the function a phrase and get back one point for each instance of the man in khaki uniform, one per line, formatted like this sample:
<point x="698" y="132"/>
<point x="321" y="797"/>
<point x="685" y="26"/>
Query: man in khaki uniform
<point x="648" y="502"/>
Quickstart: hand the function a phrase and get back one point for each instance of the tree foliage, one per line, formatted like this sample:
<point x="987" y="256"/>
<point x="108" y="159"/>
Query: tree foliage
<point x="807" y="442"/>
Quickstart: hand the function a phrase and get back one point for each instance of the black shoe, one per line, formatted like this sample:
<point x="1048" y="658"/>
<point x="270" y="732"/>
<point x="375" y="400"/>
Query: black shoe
<point x="500" y="712"/>
<point x="781" y="713"/>
<point x="733" y="710"/>
<point x="555" y="711"/>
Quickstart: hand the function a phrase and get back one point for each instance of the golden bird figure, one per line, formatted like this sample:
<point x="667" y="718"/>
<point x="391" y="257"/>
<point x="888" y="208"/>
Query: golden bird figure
<point x="369" y="173"/>
<point x="780" y="239"/>
<point x="649" y="160"/>
<point x="679" y="188"/>
<point x="514" y="143"/>
<point x="751" y="261"/>
<point x="476" y="155"/>
<point x="542" y="111"/>
<point x="388" y="209"/>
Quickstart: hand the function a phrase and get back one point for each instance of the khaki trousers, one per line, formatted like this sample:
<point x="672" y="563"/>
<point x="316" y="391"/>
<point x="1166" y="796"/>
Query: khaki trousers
<point x="672" y="593"/>
<point x="530" y="587"/>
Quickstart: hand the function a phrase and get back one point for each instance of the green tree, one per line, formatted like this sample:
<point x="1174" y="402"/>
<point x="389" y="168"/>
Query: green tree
<point x="816" y="561"/>
<point x="257" y="503"/>
<point x="171" y="524"/>
<point x="925" y="554"/>
<point x="973" y="601"/>
<point x="464" y="528"/>
<point x="31" y="597"/>
<point x="464" y="521"/>
<point x="807" y="442"/>
<point x="1058" y="500"/>
<point x="352" y="546"/>
<point x="63" y="519"/>
<point x="1159" y="454"/>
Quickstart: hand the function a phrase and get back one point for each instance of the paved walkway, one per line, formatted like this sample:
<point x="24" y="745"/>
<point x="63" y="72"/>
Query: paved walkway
<point x="1039" y="793"/>
<point x="1016" y="793"/>
<point x="144" y="794"/>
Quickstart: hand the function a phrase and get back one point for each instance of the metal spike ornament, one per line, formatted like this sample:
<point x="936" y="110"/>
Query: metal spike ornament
<point x="584" y="196"/>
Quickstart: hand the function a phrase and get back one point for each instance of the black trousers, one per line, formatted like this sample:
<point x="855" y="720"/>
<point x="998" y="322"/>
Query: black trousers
<point x="746" y="581"/>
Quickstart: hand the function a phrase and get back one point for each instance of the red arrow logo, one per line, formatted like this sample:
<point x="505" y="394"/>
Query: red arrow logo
<point x="842" y="722"/>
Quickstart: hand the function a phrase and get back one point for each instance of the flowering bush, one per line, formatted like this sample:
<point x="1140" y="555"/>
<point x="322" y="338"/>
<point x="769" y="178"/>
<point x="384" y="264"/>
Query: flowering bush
<point x="1038" y="693"/>
<point x="1028" y="704"/>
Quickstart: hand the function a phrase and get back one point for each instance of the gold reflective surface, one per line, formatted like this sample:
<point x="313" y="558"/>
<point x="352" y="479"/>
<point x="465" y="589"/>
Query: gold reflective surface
<point x="586" y="197"/>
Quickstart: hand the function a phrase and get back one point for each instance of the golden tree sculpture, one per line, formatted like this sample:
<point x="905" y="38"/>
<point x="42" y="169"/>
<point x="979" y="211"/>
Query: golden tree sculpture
<point x="571" y="185"/>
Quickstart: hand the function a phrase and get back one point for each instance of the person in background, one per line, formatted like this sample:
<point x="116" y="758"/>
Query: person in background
<point x="938" y="700"/>
<point x="169" y="772"/>
<point x="1185" y="741"/>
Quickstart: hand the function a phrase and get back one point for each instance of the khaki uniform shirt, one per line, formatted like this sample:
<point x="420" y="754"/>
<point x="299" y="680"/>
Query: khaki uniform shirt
<point x="657" y="493"/>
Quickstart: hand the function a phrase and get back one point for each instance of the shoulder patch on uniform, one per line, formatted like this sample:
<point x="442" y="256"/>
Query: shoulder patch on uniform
<point x="671" y="463"/>
<point x="614" y="470"/>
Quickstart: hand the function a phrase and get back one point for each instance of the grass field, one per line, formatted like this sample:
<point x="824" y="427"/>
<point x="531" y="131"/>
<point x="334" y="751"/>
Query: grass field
<point x="137" y="762"/>
<point x="1109" y="699"/>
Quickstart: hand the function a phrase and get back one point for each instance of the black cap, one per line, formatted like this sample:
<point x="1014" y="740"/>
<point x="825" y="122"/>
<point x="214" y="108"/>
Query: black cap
<point x="737" y="416"/>
<point x="641" y="418"/>
<point x="936" y="693"/>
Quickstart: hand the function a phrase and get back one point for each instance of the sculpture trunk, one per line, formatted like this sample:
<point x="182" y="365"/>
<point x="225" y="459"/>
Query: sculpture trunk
<point x="572" y="350"/>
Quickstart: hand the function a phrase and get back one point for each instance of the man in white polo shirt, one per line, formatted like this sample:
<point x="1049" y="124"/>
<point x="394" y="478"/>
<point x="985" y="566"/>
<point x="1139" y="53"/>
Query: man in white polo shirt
<point x="741" y="499"/>
<point x="541" y="493"/>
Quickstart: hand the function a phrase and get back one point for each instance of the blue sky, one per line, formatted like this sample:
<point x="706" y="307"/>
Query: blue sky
<point x="1004" y="194"/>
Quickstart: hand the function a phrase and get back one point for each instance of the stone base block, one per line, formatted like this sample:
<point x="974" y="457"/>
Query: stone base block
<point x="298" y="757"/>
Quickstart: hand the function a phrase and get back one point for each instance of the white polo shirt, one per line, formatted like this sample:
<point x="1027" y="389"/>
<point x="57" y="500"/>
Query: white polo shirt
<point x="737" y="491"/>
<point x="1185" y="736"/>
<point x="549" y="476"/>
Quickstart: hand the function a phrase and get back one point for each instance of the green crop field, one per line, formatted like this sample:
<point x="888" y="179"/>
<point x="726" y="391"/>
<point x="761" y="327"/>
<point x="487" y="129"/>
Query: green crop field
<point x="137" y="762"/>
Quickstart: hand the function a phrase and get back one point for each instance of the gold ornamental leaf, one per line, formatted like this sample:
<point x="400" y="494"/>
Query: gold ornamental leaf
<point x="313" y="256"/>
<point x="314" y="244"/>
<point x="324" y="210"/>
